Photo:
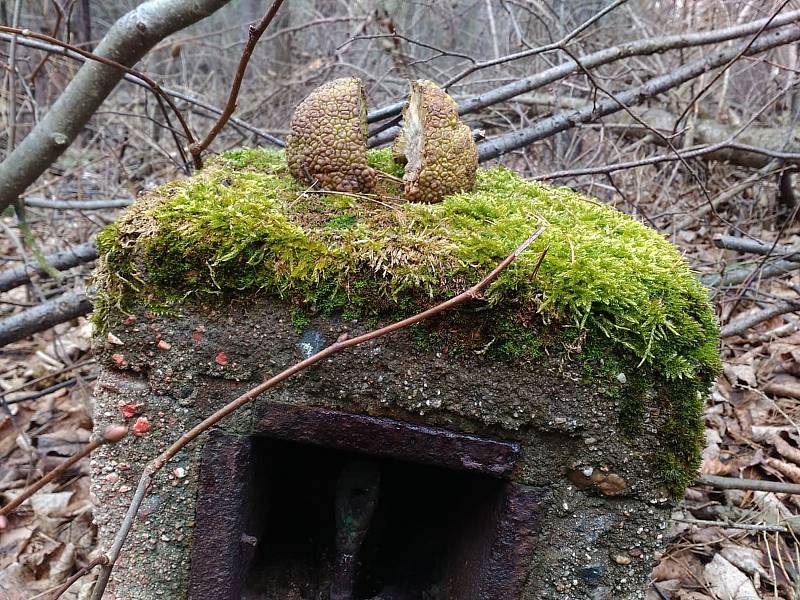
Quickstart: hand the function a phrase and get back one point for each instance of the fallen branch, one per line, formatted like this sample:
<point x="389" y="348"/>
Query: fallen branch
<point x="641" y="47"/>
<point x="728" y="525"/>
<point x="78" y="204"/>
<point x="757" y="247"/>
<point x="61" y="261"/>
<point x="562" y="121"/>
<point x="44" y="316"/>
<point x="737" y="276"/>
<point x="737" y="483"/>
<point x="128" y="40"/>
<point x="158" y="463"/>
<point x="742" y="324"/>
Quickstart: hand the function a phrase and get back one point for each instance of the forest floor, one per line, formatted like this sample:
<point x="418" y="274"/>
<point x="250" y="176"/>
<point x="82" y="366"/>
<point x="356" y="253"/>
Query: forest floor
<point x="752" y="420"/>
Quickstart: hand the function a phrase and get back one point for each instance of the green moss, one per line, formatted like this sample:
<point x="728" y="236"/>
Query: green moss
<point x="244" y="225"/>
<point x="300" y="319"/>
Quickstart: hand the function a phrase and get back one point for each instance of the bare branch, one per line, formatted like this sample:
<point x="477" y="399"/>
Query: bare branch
<point x="43" y="316"/>
<point x="494" y="147"/>
<point x="742" y="324"/>
<point x="137" y="80"/>
<point x="127" y="41"/>
<point x="641" y="47"/>
<point x="78" y="204"/>
<point x="757" y="247"/>
<point x="111" y="435"/>
<point x="61" y="261"/>
<point x="255" y="33"/>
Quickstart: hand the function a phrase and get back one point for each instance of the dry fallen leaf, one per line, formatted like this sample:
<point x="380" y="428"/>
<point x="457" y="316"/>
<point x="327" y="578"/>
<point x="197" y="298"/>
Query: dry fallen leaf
<point x="728" y="582"/>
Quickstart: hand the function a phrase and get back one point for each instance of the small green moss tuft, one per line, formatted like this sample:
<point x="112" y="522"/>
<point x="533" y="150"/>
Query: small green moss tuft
<point x="244" y="226"/>
<point x="300" y="319"/>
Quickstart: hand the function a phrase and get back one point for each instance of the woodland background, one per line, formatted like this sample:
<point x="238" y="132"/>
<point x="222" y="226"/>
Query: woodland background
<point x="709" y="162"/>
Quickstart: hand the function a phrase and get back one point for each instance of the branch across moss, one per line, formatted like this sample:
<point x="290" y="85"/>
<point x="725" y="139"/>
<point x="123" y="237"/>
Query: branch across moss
<point x="244" y="225"/>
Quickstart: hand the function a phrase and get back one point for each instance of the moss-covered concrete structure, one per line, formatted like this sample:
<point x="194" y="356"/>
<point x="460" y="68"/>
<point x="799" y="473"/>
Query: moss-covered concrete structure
<point x="587" y="378"/>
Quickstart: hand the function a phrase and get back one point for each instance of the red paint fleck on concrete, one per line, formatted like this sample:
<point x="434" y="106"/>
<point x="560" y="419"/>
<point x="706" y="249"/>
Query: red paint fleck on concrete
<point x="221" y="359"/>
<point x="130" y="409"/>
<point x="164" y="345"/>
<point x="119" y="360"/>
<point x="141" y="426"/>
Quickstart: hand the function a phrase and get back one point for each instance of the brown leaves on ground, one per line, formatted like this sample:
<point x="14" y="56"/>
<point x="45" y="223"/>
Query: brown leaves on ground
<point x="50" y="535"/>
<point x="752" y="432"/>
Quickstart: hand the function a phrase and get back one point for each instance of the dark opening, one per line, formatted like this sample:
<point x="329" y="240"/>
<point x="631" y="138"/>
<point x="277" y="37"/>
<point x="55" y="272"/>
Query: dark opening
<point x="327" y="505"/>
<point x="422" y="526"/>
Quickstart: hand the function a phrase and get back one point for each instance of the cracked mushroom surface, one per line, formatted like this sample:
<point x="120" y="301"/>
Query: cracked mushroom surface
<point x="328" y="140"/>
<point x="440" y="155"/>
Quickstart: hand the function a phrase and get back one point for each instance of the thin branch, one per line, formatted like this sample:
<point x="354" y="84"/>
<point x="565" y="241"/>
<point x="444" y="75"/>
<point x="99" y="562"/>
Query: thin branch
<point x="558" y="45"/>
<point x="641" y="47"/>
<point x="254" y="33"/>
<point x="697" y="152"/>
<point x="128" y="40"/>
<point x="742" y="324"/>
<point x="724" y="69"/>
<point x="728" y="525"/>
<point x="157" y="463"/>
<point x="759" y="485"/>
<point x="497" y="146"/>
<point x="85" y="570"/>
<point x="111" y="435"/>
<point x="53" y="49"/>
<point x="156" y="89"/>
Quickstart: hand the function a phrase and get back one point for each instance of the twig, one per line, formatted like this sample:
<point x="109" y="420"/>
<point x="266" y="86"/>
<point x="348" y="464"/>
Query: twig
<point x="562" y="121"/>
<point x="742" y="324"/>
<point x="100" y="560"/>
<point x="60" y="261"/>
<point x="51" y="48"/>
<point x="157" y="463"/>
<point x="109" y="62"/>
<point x="737" y="483"/>
<point x="728" y="65"/>
<point x="128" y="40"/>
<point x="558" y="45"/>
<point x="50" y="389"/>
<point x="757" y="247"/>
<point x="255" y="32"/>
<point x="641" y="47"/>
<point x="111" y="435"/>
<point x="727" y="525"/>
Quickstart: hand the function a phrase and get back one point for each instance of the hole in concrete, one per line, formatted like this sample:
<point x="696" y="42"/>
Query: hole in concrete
<point x="327" y="505"/>
<point x="418" y="525"/>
